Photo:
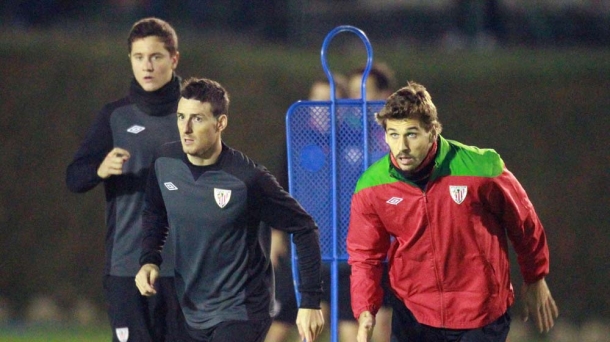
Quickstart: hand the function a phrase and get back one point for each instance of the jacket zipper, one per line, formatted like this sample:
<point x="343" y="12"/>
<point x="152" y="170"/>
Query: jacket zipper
<point x="434" y="255"/>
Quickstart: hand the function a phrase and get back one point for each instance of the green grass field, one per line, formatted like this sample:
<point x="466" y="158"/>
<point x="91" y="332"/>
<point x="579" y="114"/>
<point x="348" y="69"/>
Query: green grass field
<point x="64" y="333"/>
<point x="49" y="333"/>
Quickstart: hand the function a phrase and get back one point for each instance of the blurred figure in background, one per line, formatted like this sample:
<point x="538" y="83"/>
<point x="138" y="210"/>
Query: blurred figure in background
<point x="320" y="88"/>
<point x="117" y="151"/>
<point x="283" y="327"/>
<point x="380" y="82"/>
<point x="379" y="85"/>
<point x="285" y="308"/>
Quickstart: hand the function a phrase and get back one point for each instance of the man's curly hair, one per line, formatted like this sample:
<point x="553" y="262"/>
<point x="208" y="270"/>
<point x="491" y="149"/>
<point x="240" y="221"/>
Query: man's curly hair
<point x="410" y="102"/>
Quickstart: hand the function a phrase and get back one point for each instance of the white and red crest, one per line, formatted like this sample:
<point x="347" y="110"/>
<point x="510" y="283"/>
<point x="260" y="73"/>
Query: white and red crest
<point x="222" y="197"/>
<point x="458" y="193"/>
<point x="122" y="334"/>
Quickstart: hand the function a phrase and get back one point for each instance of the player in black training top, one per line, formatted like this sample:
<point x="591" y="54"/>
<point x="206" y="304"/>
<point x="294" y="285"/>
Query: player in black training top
<point x="117" y="151"/>
<point x="208" y="200"/>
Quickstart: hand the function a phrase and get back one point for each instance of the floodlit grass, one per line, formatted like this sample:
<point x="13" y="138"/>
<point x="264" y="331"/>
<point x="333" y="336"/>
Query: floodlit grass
<point x="24" y="333"/>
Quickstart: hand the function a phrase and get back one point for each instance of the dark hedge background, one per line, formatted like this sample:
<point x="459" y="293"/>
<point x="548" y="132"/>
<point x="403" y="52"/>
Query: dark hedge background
<point x="545" y="108"/>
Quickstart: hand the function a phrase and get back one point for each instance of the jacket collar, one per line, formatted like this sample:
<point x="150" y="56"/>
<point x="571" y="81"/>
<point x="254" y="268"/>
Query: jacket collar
<point x="442" y="153"/>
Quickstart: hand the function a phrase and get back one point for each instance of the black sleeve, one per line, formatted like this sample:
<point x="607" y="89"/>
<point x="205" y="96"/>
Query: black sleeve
<point x="283" y="212"/>
<point x="81" y="174"/>
<point x="154" y="221"/>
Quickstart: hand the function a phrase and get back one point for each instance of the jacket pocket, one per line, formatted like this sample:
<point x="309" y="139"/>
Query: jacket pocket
<point x="473" y="274"/>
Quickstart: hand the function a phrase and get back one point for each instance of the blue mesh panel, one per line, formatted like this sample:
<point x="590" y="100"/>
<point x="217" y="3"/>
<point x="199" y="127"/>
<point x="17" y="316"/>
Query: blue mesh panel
<point x="310" y="162"/>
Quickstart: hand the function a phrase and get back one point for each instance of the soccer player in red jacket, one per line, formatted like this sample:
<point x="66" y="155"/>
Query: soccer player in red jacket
<point x="442" y="213"/>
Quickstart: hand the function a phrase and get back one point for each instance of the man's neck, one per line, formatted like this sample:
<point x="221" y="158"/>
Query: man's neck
<point x="209" y="158"/>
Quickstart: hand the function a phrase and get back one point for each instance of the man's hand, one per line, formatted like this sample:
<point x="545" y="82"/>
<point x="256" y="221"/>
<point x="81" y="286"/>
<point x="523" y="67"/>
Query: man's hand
<point x="112" y="165"/>
<point x="539" y="304"/>
<point x="146" y="278"/>
<point x="310" y="323"/>
<point x="366" y="323"/>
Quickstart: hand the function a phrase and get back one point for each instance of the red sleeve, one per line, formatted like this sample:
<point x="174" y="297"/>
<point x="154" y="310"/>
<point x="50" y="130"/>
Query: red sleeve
<point x="367" y="246"/>
<point x="511" y="203"/>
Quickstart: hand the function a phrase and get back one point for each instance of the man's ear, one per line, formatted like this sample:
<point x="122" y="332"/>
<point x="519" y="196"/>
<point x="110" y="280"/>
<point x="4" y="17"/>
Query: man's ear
<point x="175" y="58"/>
<point x="222" y="122"/>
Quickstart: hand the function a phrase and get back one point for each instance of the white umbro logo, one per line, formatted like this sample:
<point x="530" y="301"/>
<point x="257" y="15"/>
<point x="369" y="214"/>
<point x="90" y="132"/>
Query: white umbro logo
<point x="135" y="129"/>
<point x="170" y="186"/>
<point x="394" y="200"/>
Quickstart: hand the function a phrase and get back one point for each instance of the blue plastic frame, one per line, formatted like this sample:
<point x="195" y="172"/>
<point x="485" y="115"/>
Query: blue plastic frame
<point x="334" y="262"/>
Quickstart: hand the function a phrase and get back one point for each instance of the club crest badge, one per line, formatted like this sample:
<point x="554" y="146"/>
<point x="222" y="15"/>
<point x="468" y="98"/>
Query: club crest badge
<point x="458" y="193"/>
<point x="222" y="197"/>
<point x="122" y="334"/>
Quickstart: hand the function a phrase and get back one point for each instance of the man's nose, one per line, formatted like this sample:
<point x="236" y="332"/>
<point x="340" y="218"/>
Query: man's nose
<point x="184" y="126"/>
<point x="148" y="65"/>
<point x="188" y="126"/>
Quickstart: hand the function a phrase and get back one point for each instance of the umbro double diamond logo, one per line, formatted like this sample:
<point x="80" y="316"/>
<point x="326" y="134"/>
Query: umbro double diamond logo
<point x="135" y="129"/>
<point x="170" y="186"/>
<point x="394" y="200"/>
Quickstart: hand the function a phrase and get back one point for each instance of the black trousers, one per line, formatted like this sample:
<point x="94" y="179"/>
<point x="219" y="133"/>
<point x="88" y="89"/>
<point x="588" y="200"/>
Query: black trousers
<point x="134" y="317"/>
<point x="405" y="328"/>
<point x="232" y="331"/>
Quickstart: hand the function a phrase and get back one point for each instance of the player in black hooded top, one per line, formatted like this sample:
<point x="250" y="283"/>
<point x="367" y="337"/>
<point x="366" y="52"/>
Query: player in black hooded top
<point x="117" y="151"/>
<point x="208" y="201"/>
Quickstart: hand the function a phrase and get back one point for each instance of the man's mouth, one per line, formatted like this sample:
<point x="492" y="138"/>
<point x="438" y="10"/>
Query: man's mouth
<point x="403" y="159"/>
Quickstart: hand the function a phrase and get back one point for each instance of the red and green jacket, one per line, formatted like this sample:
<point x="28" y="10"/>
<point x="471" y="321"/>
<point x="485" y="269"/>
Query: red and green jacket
<point x="448" y="259"/>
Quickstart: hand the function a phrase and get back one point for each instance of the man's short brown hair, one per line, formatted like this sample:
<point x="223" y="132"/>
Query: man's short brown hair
<point x="154" y="27"/>
<point x="410" y="102"/>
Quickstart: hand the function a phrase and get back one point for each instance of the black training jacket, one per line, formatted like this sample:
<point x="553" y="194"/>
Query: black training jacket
<point x="139" y="123"/>
<point x="212" y="215"/>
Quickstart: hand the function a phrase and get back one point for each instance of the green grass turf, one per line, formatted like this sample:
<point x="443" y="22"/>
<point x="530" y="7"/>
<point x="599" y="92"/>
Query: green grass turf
<point x="47" y="333"/>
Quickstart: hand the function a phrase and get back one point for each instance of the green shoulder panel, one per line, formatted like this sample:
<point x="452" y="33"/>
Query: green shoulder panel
<point x="453" y="159"/>
<point x="457" y="159"/>
<point x="376" y="174"/>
